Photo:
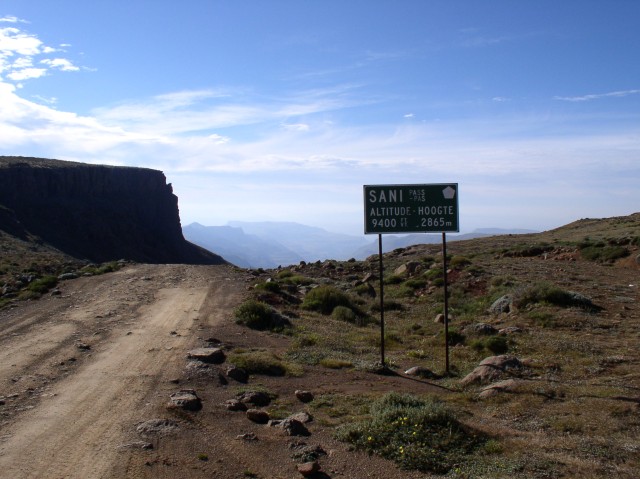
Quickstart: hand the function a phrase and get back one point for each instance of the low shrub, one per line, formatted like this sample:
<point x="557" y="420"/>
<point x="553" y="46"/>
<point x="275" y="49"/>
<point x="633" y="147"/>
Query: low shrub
<point x="285" y="273"/>
<point x="433" y="274"/>
<point x="389" y="305"/>
<point x="101" y="269"/>
<point x="332" y="363"/>
<point x="415" y="283"/>
<point x="455" y="337"/>
<point x="603" y="253"/>
<point x="418" y="434"/>
<point x="270" y="286"/>
<point x="324" y="300"/>
<point x="258" y="315"/>
<point x="43" y="284"/>
<point x="262" y="362"/>
<point x="548" y="293"/>
<point x="297" y="280"/>
<point x="459" y="262"/>
<point x="342" y="313"/>
<point x="494" y="344"/>
<point x="393" y="279"/>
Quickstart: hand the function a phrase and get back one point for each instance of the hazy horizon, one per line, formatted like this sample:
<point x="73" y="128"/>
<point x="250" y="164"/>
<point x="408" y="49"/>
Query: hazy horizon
<point x="282" y="111"/>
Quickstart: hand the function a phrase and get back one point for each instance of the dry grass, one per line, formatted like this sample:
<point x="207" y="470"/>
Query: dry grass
<point x="575" y="412"/>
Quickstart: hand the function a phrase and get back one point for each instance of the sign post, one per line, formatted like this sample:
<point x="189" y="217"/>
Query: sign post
<point x="425" y="208"/>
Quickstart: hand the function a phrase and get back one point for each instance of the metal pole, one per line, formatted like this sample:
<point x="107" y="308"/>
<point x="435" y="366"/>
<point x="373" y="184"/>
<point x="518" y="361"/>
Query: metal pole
<point x="381" y="302"/>
<point x="446" y="302"/>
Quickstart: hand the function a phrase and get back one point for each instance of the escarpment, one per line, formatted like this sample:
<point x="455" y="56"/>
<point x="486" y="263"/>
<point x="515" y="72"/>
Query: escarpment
<point x="95" y="212"/>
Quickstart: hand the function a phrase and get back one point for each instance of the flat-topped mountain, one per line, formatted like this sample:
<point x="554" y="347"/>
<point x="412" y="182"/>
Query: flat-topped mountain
<point x="95" y="212"/>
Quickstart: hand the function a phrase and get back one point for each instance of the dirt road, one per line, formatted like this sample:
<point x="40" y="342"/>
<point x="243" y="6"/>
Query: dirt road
<point x="79" y="369"/>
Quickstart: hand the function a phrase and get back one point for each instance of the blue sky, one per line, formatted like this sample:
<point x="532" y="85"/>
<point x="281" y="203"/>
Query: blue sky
<point x="281" y="110"/>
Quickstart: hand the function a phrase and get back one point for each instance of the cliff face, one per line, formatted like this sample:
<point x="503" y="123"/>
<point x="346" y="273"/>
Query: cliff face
<point x="95" y="212"/>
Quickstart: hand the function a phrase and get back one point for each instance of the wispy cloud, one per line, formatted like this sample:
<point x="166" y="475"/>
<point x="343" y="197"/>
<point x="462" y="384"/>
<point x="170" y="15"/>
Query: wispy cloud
<point x="205" y="110"/>
<point x="18" y="49"/>
<point x="598" y="96"/>
<point x="11" y="19"/>
<point x="61" y="64"/>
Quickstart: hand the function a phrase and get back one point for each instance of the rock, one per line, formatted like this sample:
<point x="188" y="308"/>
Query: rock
<point x="157" y="427"/>
<point x="293" y="427"/>
<point x="408" y="269"/>
<point x="238" y="374"/>
<point x="503" y="361"/>
<point x="306" y="453"/>
<point x="481" y="329"/>
<point x="503" y="304"/>
<point x="421" y="372"/>
<point x="369" y="277"/>
<point x="249" y="436"/>
<point x="138" y="445"/>
<point x="200" y="369"/>
<point x="186" y="399"/>
<point x="308" y="468"/>
<point x="440" y="318"/>
<point x="66" y="276"/>
<point x="581" y="301"/>
<point x="509" y="330"/>
<point x="304" y="396"/>
<point x="97" y="212"/>
<point x="367" y="290"/>
<point x="508" y="385"/>
<point x="235" y="405"/>
<point x="491" y="369"/>
<point x="83" y="346"/>
<point x="207" y="355"/>
<point x="303" y="417"/>
<point x="257" y="398"/>
<point x="258" y="416"/>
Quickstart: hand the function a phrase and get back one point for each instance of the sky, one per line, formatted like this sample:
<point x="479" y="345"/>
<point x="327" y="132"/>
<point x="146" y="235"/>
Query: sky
<point x="282" y="110"/>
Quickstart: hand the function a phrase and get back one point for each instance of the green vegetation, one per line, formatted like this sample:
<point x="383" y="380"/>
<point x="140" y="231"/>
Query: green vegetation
<point x="258" y="315"/>
<point x="42" y="285"/>
<point x="324" y="299"/>
<point x="270" y="286"/>
<point x="332" y="363"/>
<point x="418" y="434"/>
<point x="459" y="262"/>
<point x="101" y="269"/>
<point x="602" y="252"/>
<point x="493" y="344"/>
<point x="264" y="362"/>
<point x="547" y="293"/>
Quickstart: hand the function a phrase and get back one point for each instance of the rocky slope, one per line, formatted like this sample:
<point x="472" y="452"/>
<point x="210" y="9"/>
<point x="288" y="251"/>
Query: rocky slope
<point x="95" y="212"/>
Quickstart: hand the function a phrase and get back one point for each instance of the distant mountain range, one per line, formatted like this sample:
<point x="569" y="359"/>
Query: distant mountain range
<point x="271" y="244"/>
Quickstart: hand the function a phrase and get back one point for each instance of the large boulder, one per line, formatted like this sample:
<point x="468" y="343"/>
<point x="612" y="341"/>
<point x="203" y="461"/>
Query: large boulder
<point x="408" y="269"/>
<point x="504" y="304"/>
<point x="207" y="355"/>
<point x="480" y="329"/>
<point x="186" y="399"/>
<point x="492" y="369"/>
<point x="506" y="386"/>
<point x="256" y="398"/>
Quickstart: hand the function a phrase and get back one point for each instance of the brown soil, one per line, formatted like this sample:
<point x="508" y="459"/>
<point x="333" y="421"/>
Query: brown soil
<point x="79" y="372"/>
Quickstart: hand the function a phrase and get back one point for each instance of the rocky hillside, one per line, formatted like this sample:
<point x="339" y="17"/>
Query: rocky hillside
<point x="95" y="212"/>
